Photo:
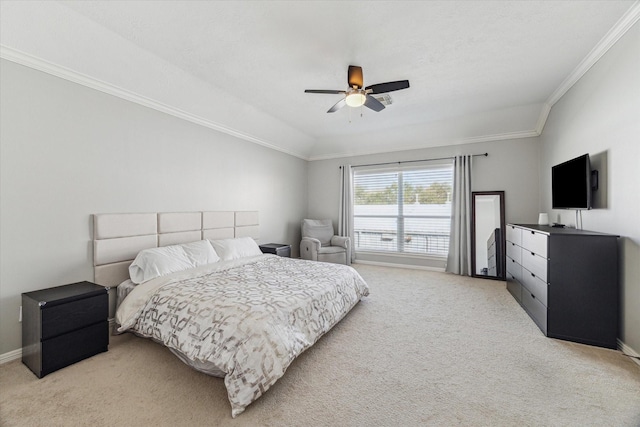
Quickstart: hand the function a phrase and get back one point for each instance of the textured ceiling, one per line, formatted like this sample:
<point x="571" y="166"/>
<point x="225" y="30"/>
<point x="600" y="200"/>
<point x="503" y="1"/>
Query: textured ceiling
<point x="476" y="68"/>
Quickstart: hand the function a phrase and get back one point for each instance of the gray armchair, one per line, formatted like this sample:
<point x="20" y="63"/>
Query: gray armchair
<point x="320" y="244"/>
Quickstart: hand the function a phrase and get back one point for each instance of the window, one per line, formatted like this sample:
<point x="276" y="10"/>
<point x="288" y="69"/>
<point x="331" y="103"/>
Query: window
<point x="403" y="210"/>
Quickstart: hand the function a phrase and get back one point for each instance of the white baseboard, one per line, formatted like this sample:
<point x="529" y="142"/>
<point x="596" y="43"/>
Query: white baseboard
<point x="391" y="264"/>
<point x="629" y="352"/>
<point x="10" y="356"/>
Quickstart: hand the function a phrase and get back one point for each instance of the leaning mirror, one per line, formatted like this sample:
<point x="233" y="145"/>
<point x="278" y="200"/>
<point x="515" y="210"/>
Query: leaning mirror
<point x="488" y="235"/>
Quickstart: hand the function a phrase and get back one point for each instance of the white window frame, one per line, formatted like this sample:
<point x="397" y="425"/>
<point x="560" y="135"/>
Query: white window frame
<point x="400" y="215"/>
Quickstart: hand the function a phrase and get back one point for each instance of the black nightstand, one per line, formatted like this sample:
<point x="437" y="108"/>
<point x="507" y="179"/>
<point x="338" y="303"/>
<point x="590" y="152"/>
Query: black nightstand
<point x="63" y="325"/>
<point x="279" y="249"/>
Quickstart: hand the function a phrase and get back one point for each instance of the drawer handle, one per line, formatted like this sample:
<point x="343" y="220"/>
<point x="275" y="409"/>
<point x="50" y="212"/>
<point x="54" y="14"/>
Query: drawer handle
<point x="533" y="296"/>
<point x="533" y="232"/>
<point x="533" y="275"/>
<point x="533" y="253"/>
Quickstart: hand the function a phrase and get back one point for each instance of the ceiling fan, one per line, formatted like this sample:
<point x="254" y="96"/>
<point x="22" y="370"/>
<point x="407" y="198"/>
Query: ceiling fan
<point x="356" y="96"/>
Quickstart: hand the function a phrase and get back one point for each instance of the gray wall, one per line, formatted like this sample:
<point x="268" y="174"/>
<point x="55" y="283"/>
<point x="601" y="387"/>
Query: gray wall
<point x="68" y="151"/>
<point x="600" y="115"/>
<point x="512" y="166"/>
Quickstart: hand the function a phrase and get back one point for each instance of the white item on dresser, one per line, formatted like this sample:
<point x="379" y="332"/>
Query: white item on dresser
<point x="543" y="219"/>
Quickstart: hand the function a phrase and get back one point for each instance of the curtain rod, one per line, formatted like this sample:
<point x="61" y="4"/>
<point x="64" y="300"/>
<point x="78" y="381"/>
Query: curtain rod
<point x="414" y="161"/>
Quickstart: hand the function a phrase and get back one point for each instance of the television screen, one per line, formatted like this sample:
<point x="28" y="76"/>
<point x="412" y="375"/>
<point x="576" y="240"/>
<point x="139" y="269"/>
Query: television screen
<point x="571" y="184"/>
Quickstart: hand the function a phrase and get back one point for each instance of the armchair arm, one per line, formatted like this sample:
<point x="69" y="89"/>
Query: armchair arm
<point x="309" y="248"/>
<point x="341" y="241"/>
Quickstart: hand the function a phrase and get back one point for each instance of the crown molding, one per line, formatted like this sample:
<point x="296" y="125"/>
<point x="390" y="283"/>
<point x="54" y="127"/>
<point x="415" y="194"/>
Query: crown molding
<point x="22" y="58"/>
<point x="623" y="25"/>
<point x="501" y="136"/>
<point x="444" y="143"/>
<point x="613" y="35"/>
<point x="542" y="119"/>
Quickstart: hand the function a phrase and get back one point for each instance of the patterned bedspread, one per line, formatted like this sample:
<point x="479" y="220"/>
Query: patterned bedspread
<point x="247" y="318"/>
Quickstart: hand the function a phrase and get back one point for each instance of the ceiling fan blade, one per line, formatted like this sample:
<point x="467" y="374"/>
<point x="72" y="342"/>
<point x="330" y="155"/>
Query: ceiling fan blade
<point x="324" y="91"/>
<point x="373" y="103"/>
<point x="338" y="106"/>
<point x="355" y="76"/>
<point x="388" y="87"/>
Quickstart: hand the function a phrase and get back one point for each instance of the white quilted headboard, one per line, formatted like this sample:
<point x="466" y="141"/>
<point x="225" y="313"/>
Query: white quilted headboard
<point x="117" y="238"/>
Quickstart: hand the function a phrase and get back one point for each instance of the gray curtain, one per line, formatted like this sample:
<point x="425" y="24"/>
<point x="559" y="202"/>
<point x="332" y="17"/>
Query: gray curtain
<point x="345" y="216"/>
<point x="459" y="259"/>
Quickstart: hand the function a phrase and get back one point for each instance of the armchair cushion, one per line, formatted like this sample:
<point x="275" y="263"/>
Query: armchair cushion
<point x="341" y="241"/>
<point x="321" y="229"/>
<point x="331" y="250"/>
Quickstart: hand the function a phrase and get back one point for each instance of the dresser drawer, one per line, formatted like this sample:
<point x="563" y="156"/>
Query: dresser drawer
<point x="534" y="242"/>
<point x="514" y="252"/>
<point x="514" y="234"/>
<point x="534" y="285"/>
<point x="536" y="310"/>
<point x="535" y="264"/>
<point x="64" y="318"/>
<point x="515" y="288"/>
<point x="514" y="269"/>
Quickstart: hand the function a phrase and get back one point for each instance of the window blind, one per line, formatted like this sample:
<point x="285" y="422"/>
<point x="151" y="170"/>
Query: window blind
<point x="404" y="210"/>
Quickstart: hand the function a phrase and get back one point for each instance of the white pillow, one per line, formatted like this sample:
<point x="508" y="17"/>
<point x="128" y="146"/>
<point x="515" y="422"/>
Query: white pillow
<point x="240" y="247"/>
<point x="156" y="262"/>
<point x="200" y="252"/>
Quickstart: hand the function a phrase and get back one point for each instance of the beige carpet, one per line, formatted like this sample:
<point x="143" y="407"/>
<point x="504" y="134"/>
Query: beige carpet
<point x="423" y="349"/>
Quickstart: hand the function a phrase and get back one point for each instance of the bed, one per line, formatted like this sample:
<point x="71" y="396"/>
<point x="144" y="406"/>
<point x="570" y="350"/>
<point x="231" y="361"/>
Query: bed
<point x="244" y="317"/>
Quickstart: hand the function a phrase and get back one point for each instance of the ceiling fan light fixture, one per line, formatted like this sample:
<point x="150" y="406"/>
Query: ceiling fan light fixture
<point x="373" y="97"/>
<point x="356" y="98"/>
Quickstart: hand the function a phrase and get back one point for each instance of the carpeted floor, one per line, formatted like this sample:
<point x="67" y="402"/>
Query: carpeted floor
<point x="423" y="349"/>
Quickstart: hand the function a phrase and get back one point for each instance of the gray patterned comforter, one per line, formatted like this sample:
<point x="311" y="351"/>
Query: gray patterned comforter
<point x="246" y="320"/>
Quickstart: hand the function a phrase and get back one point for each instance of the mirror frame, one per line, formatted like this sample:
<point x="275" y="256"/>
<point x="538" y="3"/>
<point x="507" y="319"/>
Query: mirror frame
<point x="502" y="260"/>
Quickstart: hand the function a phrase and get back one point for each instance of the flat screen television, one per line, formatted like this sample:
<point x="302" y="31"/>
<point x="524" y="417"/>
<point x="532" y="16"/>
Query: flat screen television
<point x="571" y="184"/>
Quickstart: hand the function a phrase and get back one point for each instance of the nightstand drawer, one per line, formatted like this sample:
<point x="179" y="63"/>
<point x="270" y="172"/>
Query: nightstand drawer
<point x="73" y="347"/>
<point x="77" y="314"/>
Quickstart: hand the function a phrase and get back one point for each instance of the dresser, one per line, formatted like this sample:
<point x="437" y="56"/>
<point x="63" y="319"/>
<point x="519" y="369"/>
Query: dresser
<point x="63" y="325"/>
<point x="566" y="280"/>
